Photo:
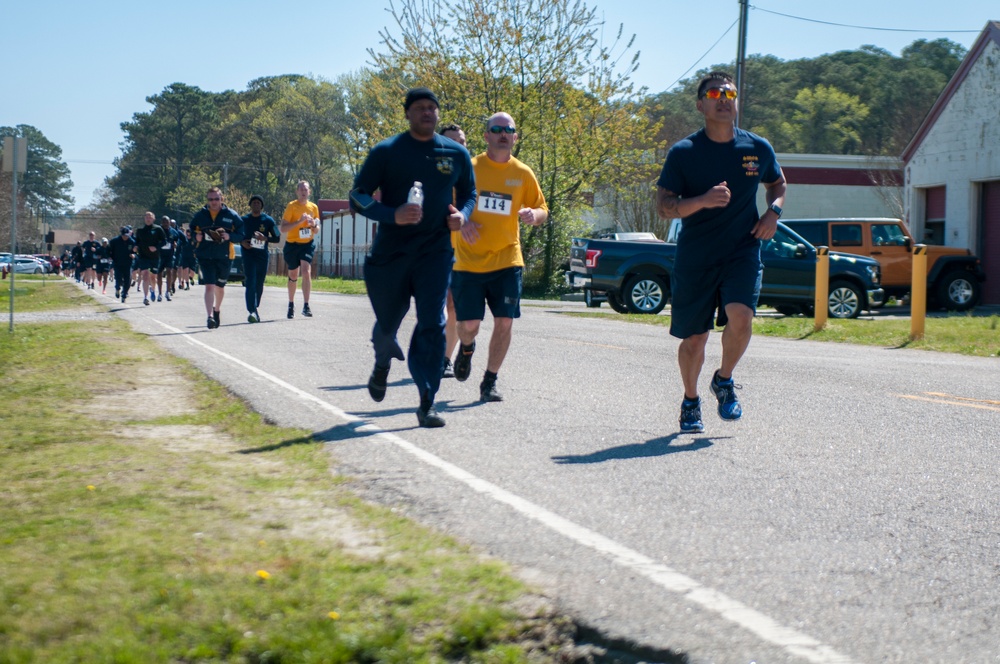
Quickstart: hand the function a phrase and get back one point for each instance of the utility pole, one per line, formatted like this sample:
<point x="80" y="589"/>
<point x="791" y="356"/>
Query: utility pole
<point x="741" y="58"/>
<point x="15" y="160"/>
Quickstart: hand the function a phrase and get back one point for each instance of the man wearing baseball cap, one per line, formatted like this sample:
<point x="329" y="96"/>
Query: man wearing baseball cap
<point x="411" y="254"/>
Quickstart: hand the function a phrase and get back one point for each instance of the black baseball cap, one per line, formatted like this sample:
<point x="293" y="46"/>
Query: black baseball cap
<point x="416" y="94"/>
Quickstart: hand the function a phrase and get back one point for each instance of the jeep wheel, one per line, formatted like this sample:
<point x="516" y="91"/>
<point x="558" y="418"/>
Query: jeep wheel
<point x="616" y="304"/>
<point x="645" y="294"/>
<point x="958" y="291"/>
<point x="845" y="300"/>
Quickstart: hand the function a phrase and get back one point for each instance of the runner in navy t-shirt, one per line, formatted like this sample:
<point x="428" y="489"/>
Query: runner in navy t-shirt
<point x="710" y="179"/>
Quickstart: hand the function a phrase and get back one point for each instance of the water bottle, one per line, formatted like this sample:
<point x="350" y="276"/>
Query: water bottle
<point x="416" y="194"/>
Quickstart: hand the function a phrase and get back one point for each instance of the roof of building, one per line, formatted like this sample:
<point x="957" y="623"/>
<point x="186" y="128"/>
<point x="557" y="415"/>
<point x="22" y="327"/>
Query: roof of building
<point x="989" y="35"/>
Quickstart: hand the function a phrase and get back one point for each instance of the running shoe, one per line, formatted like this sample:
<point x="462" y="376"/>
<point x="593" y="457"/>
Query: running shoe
<point x="725" y="392"/>
<point x="210" y="324"/>
<point x="447" y="371"/>
<point x="377" y="382"/>
<point x="306" y="311"/>
<point x="168" y="296"/>
<point x="291" y="310"/>
<point x="254" y="317"/>
<point x="159" y="298"/>
<point x="463" y="363"/>
<point x="145" y="301"/>
<point x="691" y="416"/>
<point x="488" y="391"/>
<point x="429" y="418"/>
<point x="215" y="316"/>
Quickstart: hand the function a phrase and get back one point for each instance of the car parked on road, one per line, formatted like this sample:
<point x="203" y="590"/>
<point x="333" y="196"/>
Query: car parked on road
<point x="25" y="264"/>
<point x="634" y="277"/>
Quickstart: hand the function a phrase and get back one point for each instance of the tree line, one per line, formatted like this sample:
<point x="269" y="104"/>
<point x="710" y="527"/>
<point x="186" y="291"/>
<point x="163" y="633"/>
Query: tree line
<point x="591" y="136"/>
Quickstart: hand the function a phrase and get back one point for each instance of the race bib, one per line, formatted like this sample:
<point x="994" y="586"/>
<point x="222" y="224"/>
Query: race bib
<point x="493" y="203"/>
<point x="257" y="244"/>
<point x="305" y="233"/>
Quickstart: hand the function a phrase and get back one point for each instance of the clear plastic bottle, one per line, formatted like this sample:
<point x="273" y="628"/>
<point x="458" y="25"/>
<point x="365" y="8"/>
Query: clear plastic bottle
<point x="416" y="194"/>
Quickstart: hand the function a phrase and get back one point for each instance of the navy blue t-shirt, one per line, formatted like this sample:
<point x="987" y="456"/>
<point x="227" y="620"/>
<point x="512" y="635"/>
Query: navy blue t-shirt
<point x="445" y="170"/>
<point x="696" y="164"/>
<point x="226" y="220"/>
<point x="264" y="224"/>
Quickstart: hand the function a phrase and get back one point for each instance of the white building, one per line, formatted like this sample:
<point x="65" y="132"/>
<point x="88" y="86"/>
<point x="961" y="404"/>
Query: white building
<point x="952" y="165"/>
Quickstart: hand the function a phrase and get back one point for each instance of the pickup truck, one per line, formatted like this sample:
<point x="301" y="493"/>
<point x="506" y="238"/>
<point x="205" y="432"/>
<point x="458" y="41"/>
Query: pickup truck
<point x="954" y="275"/>
<point x="634" y="277"/>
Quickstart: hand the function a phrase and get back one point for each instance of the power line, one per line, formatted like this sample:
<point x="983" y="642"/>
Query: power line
<point x="704" y="55"/>
<point x="859" y="27"/>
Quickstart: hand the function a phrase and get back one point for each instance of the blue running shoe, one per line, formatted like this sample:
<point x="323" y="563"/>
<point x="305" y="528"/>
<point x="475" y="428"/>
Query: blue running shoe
<point x="725" y="392"/>
<point x="691" y="416"/>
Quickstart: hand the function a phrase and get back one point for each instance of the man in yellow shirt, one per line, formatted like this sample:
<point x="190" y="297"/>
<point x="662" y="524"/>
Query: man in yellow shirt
<point x="488" y="259"/>
<point x="301" y="223"/>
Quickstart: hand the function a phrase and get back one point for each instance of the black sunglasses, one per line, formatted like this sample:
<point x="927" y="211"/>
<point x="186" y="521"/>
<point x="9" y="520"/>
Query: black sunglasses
<point x="496" y="129"/>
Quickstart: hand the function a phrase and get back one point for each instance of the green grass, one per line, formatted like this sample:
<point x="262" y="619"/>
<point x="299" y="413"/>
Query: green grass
<point x="326" y="284"/>
<point x="957" y="333"/>
<point x="125" y="539"/>
<point x="35" y="293"/>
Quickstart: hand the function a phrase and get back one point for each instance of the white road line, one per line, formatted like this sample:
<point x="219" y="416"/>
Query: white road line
<point x="792" y="641"/>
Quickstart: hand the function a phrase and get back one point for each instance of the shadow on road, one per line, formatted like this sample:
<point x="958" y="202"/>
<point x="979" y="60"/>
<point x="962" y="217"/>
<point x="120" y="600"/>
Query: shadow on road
<point x="651" y="448"/>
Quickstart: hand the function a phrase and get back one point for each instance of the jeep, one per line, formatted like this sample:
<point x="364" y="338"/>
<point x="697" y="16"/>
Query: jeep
<point x="954" y="275"/>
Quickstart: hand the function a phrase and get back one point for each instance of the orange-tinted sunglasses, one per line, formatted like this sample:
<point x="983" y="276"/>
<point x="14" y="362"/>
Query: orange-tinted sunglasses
<point x="718" y="93"/>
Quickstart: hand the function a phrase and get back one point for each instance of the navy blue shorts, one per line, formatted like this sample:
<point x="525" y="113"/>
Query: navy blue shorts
<point x="166" y="260"/>
<point x="298" y="252"/>
<point x="472" y="291"/>
<point x="696" y="293"/>
<point x="151" y="264"/>
<point x="215" y="271"/>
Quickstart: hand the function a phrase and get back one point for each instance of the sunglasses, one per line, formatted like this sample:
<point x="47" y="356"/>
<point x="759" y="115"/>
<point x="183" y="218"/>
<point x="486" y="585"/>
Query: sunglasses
<point x="215" y="199"/>
<point x="495" y="129"/>
<point x="719" y="93"/>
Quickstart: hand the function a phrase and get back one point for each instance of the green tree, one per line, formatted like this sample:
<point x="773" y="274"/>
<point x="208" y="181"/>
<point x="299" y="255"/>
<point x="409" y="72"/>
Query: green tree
<point x="543" y="62"/>
<point x="826" y="121"/>
<point x="45" y="186"/>
<point x="180" y="131"/>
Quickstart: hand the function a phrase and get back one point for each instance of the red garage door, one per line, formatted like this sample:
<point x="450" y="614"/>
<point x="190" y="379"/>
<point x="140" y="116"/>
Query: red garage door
<point x="991" y="242"/>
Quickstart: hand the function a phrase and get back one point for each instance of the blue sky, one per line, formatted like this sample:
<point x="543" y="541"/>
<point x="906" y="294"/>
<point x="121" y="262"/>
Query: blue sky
<point x="76" y="71"/>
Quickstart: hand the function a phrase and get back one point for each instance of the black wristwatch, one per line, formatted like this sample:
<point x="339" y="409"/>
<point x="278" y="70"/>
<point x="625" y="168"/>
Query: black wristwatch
<point x="775" y="209"/>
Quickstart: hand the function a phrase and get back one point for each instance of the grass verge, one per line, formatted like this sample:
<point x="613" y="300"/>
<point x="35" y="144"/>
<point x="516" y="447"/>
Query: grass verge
<point x="963" y="334"/>
<point x="150" y="516"/>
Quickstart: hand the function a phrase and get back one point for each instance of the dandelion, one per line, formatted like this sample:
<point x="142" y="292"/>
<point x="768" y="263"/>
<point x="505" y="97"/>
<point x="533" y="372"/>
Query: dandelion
<point x="90" y="487"/>
<point x="263" y="574"/>
<point x="334" y="615"/>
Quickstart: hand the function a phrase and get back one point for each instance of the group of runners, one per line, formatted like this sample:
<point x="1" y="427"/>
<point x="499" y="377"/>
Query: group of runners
<point x="94" y="262"/>
<point x="448" y="238"/>
<point x="161" y="258"/>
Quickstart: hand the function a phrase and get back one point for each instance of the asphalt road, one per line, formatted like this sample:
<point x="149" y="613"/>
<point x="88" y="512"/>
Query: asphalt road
<point x="851" y="516"/>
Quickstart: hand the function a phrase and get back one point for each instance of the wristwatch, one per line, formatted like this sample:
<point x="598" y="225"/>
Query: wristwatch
<point x="775" y="209"/>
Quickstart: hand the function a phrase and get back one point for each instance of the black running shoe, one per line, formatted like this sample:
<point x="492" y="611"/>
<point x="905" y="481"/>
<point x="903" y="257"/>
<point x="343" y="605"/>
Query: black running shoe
<point x="377" y="382"/>
<point x="291" y="310"/>
<point x="447" y="371"/>
<point x="488" y="391"/>
<point x="210" y="324"/>
<point x="429" y="418"/>
<point x="215" y="315"/>
<point x="306" y="311"/>
<point x="463" y="363"/>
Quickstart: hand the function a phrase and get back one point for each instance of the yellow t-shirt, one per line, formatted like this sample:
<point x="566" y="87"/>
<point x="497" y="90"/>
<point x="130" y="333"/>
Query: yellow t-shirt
<point x="300" y="233"/>
<point x="503" y="190"/>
